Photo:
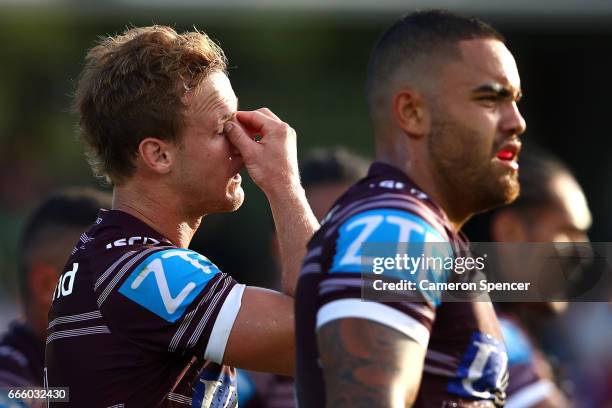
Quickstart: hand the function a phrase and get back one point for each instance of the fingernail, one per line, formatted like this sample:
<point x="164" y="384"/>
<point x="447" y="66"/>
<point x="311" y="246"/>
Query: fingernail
<point x="228" y="126"/>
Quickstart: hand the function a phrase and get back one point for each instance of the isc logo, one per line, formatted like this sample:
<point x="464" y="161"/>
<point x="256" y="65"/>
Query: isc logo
<point x="66" y="282"/>
<point x="132" y="241"/>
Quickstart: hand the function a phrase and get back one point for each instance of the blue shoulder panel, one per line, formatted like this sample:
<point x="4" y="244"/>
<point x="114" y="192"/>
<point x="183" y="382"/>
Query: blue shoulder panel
<point x="168" y="281"/>
<point x="368" y="239"/>
<point x="382" y="226"/>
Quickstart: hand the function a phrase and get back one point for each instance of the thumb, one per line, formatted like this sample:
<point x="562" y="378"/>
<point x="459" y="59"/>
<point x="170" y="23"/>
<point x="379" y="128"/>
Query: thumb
<point x="241" y="140"/>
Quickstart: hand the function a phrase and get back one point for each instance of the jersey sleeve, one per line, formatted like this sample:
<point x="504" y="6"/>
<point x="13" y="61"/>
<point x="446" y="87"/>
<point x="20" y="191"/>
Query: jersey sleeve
<point x="173" y="300"/>
<point x="381" y="233"/>
<point x="526" y="387"/>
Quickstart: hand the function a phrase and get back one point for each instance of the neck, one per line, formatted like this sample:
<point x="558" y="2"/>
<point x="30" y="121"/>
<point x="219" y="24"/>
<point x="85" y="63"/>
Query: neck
<point x="163" y="215"/>
<point x="416" y="167"/>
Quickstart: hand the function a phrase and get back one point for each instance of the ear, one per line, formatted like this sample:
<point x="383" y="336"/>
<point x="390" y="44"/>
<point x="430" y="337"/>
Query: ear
<point x="507" y="226"/>
<point x="157" y="155"/>
<point x="410" y="112"/>
<point x="42" y="280"/>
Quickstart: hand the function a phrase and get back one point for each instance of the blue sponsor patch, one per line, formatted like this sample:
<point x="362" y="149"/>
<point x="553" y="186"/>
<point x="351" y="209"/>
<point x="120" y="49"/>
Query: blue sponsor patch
<point x="374" y="236"/>
<point x="382" y="226"/>
<point x="168" y="281"/>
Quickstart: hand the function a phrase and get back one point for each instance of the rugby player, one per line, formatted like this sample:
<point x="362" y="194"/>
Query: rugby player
<point x="47" y="237"/>
<point x="137" y="319"/>
<point x="442" y="92"/>
<point x="551" y="208"/>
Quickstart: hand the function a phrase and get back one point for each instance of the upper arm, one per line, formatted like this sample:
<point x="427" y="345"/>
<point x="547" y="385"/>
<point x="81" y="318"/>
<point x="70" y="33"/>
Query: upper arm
<point x="171" y="301"/>
<point x="367" y="364"/>
<point x="372" y="353"/>
<point x="262" y="338"/>
<point x="177" y="301"/>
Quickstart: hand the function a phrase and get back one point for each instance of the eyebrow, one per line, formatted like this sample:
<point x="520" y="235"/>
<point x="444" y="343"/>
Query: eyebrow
<point x="501" y="91"/>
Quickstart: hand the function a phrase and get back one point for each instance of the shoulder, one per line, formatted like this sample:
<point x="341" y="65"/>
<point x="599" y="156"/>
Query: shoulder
<point x="370" y="230"/>
<point x="168" y="280"/>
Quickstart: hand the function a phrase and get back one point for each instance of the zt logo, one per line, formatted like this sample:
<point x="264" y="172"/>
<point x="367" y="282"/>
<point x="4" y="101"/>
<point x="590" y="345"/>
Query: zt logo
<point x="156" y="268"/>
<point x="132" y="241"/>
<point x="168" y="281"/>
<point x="66" y="282"/>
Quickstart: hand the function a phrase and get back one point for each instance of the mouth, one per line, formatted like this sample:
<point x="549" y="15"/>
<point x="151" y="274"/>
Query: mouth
<point x="508" y="154"/>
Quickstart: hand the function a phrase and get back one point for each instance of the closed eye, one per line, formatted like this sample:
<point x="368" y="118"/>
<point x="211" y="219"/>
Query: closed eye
<point x="488" y="98"/>
<point x="220" y="132"/>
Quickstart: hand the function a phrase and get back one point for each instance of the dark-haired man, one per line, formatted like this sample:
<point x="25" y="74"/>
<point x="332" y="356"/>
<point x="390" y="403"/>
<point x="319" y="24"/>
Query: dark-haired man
<point x="442" y="92"/>
<point x="551" y="208"/>
<point x="327" y="173"/>
<point x="156" y="323"/>
<point x="50" y="233"/>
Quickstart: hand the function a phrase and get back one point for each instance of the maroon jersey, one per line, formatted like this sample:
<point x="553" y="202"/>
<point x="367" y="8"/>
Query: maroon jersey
<point x="529" y="372"/>
<point x="22" y="354"/>
<point x="465" y="363"/>
<point x="138" y="322"/>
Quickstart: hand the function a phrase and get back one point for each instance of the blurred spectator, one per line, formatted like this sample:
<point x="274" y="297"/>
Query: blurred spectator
<point x="551" y="208"/>
<point x="52" y="230"/>
<point x="587" y="326"/>
<point x="325" y="174"/>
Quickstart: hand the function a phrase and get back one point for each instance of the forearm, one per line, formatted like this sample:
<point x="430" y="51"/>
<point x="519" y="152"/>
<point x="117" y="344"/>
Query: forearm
<point x="272" y="164"/>
<point x="295" y="224"/>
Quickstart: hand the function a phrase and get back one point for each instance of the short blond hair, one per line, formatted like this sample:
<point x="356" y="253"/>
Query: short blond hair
<point x="133" y="86"/>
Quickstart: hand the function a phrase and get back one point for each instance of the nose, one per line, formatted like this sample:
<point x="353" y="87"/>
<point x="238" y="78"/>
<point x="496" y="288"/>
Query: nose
<point x="513" y="122"/>
<point x="234" y="150"/>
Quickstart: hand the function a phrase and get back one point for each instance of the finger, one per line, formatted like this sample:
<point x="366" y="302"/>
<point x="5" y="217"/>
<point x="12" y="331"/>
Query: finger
<point x="257" y="122"/>
<point x="239" y="138"/>
<point x="268" y="113"/>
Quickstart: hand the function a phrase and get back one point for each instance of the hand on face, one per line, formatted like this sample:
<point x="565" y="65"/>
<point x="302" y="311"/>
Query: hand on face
<point x="271" y="160"/>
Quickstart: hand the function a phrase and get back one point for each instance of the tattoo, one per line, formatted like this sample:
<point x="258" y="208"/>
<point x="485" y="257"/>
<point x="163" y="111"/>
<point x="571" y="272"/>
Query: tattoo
<point x="363" y="363"/>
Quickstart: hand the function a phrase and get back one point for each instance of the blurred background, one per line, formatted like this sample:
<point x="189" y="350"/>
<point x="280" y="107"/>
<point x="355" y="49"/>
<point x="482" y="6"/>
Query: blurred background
<point x="304" y="59"/>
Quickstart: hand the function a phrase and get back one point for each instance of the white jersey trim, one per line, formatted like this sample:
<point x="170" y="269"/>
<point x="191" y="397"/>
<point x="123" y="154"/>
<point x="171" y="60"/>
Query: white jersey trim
<point x="530" y="395"/>
<point x="376" y="312"/>
<point x="215" y="349"/>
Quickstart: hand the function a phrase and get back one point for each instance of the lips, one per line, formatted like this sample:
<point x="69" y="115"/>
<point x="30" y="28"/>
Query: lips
<point x="508" y="154"/>
<point x="508" y="151"/>
<point x="505" y="155"/>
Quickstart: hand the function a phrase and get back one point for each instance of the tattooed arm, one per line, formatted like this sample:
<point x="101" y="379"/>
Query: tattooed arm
<point x="366" y="364"/>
